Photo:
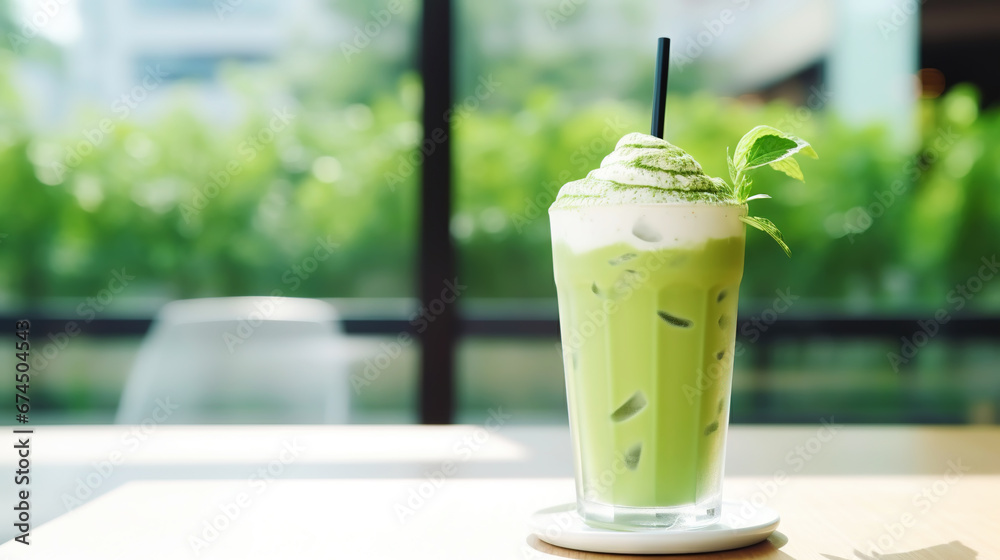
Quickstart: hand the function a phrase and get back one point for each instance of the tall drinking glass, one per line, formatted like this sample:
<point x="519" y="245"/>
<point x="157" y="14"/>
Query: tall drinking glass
<point x="647" y="312"/>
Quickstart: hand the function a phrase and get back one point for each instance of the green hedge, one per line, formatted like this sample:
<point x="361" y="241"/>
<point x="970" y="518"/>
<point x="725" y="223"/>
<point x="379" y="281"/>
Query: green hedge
<point x="191" y="207"/>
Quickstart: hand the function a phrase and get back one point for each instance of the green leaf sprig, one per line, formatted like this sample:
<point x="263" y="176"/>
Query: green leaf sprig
<point x="765" y="145"/>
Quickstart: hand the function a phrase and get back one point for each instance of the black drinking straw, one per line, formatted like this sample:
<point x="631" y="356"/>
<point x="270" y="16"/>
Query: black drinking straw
<point x="660" y="87"/>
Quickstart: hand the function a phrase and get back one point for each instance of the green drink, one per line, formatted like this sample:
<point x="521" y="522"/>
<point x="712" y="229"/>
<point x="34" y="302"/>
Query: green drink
<point x="648" y="257"/>
<point x="648" y="333"/>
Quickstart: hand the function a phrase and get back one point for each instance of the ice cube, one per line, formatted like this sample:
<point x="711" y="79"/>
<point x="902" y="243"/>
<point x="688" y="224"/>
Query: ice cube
<point x="570" y="359"/>
<point x="679" y="259"/>
<point x="675" y="321"/>
<point x="712" y="427"/>
<point x="645" y="231"/>
<point x="632" y="457"/>
<point x="668" y="520"/>
<point x="622" y="259"/>
<point x="723" y="322"/>
<point x="628" y="281"/>
<point x="632" y="406"/>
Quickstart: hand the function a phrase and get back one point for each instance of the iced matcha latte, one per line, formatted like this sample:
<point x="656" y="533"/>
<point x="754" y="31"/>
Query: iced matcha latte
<point x="648" y="254"/>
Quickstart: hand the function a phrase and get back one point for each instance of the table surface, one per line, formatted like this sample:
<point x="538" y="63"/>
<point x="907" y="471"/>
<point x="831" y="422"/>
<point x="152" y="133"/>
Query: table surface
<point x="221" y="492"/>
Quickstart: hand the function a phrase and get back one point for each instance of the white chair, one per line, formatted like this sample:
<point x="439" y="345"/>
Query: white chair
<point x="240" y="360"/>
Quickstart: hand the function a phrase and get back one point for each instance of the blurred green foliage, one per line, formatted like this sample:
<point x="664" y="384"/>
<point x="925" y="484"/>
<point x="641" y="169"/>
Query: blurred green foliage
<point x="874" y="227"/>
<point x="195" y="208"/>
<point x="192" y="208"/>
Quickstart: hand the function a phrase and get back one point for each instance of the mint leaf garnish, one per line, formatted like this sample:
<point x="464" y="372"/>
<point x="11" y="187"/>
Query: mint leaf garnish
<point x="732" y="167"/>
<point x="765" y="225"/>
<point x="789" y="167"/>
<point x="767" y="149"/>
<point x="765" y="145"/>
<point x="749" y="146"/>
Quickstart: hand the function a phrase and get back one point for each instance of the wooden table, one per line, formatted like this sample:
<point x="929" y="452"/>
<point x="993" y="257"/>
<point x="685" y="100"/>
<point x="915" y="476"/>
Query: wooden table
<point x="464" y="492"/>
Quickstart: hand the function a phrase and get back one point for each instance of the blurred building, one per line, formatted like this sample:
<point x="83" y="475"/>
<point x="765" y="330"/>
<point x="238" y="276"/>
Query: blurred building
<point x="961" y="39"/>
<point x="108" y="48"/>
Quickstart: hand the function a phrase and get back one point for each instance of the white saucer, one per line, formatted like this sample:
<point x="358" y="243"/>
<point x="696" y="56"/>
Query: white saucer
<point x="741" y="525"/>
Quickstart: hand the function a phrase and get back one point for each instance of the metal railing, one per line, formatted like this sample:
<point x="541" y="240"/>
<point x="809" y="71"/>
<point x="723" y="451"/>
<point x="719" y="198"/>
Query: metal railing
<point x="837" y="327"/>
<point x="787" y="329"/>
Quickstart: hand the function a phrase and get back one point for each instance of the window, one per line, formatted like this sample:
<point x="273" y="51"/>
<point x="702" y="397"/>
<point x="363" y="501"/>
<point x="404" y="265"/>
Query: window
<point x="200" y="155"/>
<point x="202" y="152"/>
<point x="891" y="220"/>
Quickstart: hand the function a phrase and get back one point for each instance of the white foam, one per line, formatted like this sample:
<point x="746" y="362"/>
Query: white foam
<point x="660" y="225"/>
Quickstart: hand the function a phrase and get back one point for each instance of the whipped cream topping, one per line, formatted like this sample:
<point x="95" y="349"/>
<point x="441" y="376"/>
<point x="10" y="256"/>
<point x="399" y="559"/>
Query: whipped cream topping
<point x="644" y="169"/>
